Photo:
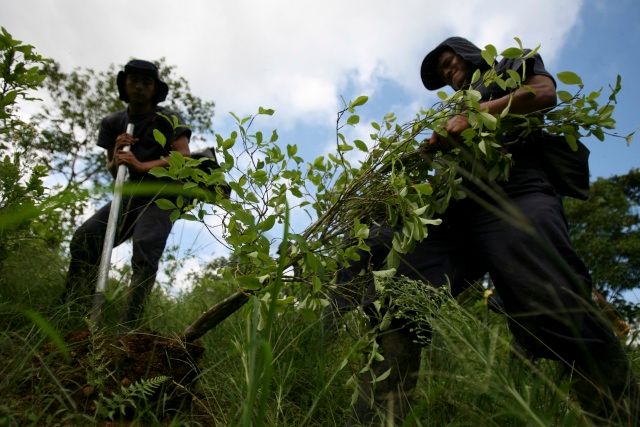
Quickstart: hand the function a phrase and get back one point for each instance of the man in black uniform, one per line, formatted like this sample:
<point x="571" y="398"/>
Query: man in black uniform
<point x="545" y="287"/>
<point x="141" y="220"/>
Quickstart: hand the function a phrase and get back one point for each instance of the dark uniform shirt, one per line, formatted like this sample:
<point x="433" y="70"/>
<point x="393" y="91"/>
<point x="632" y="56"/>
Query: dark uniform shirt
<point x="146" y="148"/>
<point x="528" y="172"/>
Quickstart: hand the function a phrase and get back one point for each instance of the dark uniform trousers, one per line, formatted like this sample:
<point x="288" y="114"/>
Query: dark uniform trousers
<point x="141" y="220"/>
<point x="545" y="287"/>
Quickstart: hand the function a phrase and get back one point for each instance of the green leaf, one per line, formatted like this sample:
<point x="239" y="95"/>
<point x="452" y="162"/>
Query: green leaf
<point x="512" y="53"/>
<point x="188" y="217"/>
<point x="420" y="211"/>
<point x="268" y="223"/>
<point x="159" y="171"/>
<point x="351" y="253"/>
<point x="442" y="95"/>
<point x="228" y="161"/>
<point x="483" y="147"/>
<point x="629" y="138"/>
<point x="159" y="137"/>
<point x="501" y="83"/>
<point x="472" y="118"/>
<point x="292" y="150"/>
<point x="393" y="259"/>
<point x="245" y="217"/>
<point x="361" y="145"/>
<point x="504" y="112"/>
<point x="476" y="76"/>
<point x="9" y="97"/>
<point x="474" y="95"/>
<point x="424" y="188"/>
<point x="265" y="111"/>
<point x="189" y="185"/>
<point x="488" y="120"/>
<point x="384" y="274"/>
<point x="517" y="39"/>
<point x="384" y="375"/>
<point x="361" y="231"/>
<point x="237" y="119"/>
<point x="250" y="283"/>
<point x="274" y="136"/>
<point x="251" y="197"/>
<point x="344" y="147"/>
<point x="353" y="120"/>
<point x="564" y="96"/>
<point x="594" y="95"/>
<point x="571" y="140"/>
<point x="260" y="177"/>
<point x="361" y="100"/>
<point x="296" y="192"/>
<point x="597" y="132"/>
<point x="318" y="163"/>
<point x="514" y="75"/>
<point x="427" y="221"/>
<point x="569" y="78"/>
<point x="165" y="204"/>
<point x="489" y="54"/>
<point x="616" y="89"/>
<point x="606" y="111"/>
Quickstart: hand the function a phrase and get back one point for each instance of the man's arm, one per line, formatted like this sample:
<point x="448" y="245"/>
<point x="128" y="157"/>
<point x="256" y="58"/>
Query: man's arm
<point x="112" y="158"/>
<point x="540" y="96"/>
<point x="181" y="145"/>
<point x="112" y="166"/>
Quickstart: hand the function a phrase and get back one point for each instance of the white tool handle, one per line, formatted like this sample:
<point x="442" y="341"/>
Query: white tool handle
<point x="112" y="223"/>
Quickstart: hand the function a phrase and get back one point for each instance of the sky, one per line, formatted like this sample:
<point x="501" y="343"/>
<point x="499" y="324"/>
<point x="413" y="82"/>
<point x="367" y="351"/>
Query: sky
<point x="301" y="57"/>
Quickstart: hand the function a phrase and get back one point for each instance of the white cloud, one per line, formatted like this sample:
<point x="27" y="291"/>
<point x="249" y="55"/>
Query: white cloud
<point x="294" y="56"/>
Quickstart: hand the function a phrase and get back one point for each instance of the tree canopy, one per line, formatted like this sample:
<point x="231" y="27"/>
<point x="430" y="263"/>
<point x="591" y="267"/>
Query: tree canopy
<point x="76" y="103"/>
<point x="606" y="232"/>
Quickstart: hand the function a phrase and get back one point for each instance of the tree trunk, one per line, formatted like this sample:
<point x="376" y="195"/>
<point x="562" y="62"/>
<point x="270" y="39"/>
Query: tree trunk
<point x="215" y="315"/>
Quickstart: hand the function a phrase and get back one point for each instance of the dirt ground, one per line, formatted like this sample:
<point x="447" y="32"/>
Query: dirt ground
<point x="103" y="365"/>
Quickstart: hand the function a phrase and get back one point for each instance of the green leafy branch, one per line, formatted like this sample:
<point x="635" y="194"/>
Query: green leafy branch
<point x="403" y="182"/>
<point x="21" y="72"/>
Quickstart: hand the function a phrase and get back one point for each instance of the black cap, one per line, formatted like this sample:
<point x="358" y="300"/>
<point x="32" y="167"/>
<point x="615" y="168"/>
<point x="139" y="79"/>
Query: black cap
<point x="460" y="46"/>
<point x="140" y="66"/>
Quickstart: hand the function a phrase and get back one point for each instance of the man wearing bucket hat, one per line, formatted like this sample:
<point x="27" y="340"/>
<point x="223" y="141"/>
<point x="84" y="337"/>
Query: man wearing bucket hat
<point x="148" y="226"/>
<point x="545" y="286"/>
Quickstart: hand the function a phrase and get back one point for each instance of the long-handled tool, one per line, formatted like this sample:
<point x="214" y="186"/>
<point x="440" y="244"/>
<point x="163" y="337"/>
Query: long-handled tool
<point x="107" y="247"/>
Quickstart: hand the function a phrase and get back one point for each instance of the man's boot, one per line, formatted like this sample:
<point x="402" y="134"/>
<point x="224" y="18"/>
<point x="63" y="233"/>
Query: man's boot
<point x="139" y="290"/>
<point x="391" y="397"/>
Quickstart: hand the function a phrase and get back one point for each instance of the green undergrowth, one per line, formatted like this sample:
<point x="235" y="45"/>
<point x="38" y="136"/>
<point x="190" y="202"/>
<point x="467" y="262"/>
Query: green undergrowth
<point x="469" y="374"/>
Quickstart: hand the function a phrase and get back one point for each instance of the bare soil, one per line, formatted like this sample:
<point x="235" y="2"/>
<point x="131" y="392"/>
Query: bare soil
<point x="103" y="365"/>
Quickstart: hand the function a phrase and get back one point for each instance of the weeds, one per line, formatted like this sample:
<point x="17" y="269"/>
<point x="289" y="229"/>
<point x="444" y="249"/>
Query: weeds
<point x="130" y="397"/>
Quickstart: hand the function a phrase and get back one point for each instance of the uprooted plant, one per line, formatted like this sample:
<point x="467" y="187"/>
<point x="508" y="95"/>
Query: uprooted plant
<point x="394" y="179"/>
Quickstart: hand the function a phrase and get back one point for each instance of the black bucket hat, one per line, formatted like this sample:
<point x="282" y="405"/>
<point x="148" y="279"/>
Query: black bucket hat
<point x="142" y="67"/>
<point x="460" y="46"/>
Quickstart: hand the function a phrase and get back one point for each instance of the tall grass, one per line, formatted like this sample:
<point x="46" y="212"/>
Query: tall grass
<point x="472" y="375"/>
<point x="272" y="368"/>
